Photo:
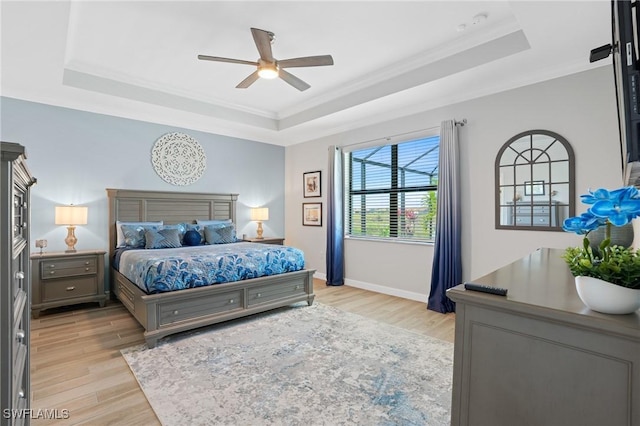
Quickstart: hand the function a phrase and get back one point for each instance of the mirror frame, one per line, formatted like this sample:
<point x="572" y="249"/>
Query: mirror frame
<point x="571" y="182"/>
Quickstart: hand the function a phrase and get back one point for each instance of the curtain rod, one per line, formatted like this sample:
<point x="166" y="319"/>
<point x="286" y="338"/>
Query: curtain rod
<point x="456" y="122"/>
<point x="389" y="137"/>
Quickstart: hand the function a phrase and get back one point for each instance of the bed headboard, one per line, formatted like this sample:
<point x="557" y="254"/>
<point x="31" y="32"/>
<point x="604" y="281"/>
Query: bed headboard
<point x="132" y="205"/>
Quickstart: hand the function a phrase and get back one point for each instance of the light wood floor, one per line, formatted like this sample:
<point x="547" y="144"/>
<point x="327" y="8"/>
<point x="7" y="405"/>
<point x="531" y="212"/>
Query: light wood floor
<point x="76" y="363"/>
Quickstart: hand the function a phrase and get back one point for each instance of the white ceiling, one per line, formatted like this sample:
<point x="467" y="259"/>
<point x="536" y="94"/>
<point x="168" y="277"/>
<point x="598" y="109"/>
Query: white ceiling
<point x="392" y="58"/>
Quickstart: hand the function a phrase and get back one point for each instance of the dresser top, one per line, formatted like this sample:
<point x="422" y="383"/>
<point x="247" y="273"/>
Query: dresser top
<point x="11" y="151"/>
<point x="541" y="284"/>
<point x="50" y="254"/>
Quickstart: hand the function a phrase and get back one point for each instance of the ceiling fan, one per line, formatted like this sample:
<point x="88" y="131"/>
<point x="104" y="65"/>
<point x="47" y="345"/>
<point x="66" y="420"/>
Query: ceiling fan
<point x="268" y="66"/>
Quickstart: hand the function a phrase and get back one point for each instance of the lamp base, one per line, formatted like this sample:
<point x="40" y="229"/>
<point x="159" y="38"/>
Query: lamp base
<point x="71" y="240"/>
<point x="259" y="231"/>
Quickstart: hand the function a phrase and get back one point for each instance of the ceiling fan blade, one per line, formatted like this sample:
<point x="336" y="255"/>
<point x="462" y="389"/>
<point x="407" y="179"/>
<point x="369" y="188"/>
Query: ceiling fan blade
<point x="293" y="80"/>
<point x="248" y="81"/>
<point x="263" y="39"/>
<point x="232" y="61"/>
<point x="308" y="61"/>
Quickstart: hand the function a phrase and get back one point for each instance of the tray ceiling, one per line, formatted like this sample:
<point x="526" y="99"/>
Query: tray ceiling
<point x="139" y="59"/>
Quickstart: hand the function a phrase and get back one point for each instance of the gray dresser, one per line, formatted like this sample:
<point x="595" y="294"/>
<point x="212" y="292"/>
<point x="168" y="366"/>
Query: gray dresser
<point x="539" y="356"/>
<point x="15" y="283"/>
<point x="543" y="213"/>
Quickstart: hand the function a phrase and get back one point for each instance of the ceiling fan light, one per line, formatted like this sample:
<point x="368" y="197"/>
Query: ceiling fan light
<point x="268" y="72"/>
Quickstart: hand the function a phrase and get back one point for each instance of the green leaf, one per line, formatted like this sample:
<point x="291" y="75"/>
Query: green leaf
<point x="615" y="264"/>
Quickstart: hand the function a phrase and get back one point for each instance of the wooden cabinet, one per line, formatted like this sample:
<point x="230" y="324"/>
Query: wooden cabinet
<point x="15" y="284"/>
<point x="539" y="356"/>
<point x="61" y="279"/>
<point x="266" y="240"/>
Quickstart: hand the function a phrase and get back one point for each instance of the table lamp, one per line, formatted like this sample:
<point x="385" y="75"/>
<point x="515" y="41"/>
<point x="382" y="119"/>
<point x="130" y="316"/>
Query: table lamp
<point x="260" y="214"/>
<point x="71" y="216"/>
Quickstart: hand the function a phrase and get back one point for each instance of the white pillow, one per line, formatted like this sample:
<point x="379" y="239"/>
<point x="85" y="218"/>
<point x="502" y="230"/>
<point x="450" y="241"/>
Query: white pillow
<point x="120" y="235"/>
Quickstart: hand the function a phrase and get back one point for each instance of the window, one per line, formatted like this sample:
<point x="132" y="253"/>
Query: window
<point x="391" y="190"/>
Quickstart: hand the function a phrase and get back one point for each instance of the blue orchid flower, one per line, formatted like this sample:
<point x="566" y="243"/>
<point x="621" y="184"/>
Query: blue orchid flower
<point x="619" y="206"/>
<point x="606" y="260"/>
<point x="602" y="194"/>
<point x="583" y="224"/>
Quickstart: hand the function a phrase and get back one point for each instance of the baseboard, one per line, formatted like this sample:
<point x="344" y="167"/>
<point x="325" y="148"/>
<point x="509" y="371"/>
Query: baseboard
<point x="320" y="275"/>
<point x="378" y="288"/>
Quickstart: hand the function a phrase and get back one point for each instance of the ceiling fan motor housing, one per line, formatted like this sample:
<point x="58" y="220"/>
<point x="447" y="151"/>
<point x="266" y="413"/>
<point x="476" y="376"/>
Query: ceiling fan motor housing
<point x="267" y="69"/>
<point x="268" y="66"/>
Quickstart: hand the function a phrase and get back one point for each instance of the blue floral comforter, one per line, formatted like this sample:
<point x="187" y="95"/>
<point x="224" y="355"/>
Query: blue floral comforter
<point x="162" y="270"/>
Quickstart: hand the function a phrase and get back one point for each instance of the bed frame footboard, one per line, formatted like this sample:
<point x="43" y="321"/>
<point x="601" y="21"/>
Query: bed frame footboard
<point x="173" y="312"/>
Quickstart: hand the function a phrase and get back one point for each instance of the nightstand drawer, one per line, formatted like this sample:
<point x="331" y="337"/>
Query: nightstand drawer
<point x="68" y="267"/>
<point x="68" y="289"/>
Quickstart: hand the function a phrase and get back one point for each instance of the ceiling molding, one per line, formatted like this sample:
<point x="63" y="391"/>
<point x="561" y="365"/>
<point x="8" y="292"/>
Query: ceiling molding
<point x="138" y="60"/>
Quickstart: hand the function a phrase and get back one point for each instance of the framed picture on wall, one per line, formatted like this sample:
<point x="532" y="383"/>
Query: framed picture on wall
<point x="534" y="187"/>
<point x="312" y="214"/>
<point x="312" y="184"/>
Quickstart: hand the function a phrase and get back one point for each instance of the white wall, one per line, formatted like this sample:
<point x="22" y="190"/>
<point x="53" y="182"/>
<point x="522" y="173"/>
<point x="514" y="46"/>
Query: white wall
<point x="580" y="107"/>
<point x="76" y="155"/>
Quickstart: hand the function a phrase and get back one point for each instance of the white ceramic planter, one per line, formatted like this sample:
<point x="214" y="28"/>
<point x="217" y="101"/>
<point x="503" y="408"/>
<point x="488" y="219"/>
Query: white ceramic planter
<point x="635" y="244"/>
<point x="607" y="298"/>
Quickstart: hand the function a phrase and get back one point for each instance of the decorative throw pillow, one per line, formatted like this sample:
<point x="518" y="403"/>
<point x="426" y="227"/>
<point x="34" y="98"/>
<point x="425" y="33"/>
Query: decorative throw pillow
<point x="220" y="234"/>
<point x="192" y="238"/>
<point x="181" y="227"/>
<point x="134" y="235"/>
<point x="197" y="228"/>
<point x="120" y="234"/>
<point x="162" y="238"/>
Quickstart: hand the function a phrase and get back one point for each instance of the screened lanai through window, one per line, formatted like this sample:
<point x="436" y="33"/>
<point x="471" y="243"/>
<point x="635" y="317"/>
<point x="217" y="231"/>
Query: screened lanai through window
<point x="392" y="190"/>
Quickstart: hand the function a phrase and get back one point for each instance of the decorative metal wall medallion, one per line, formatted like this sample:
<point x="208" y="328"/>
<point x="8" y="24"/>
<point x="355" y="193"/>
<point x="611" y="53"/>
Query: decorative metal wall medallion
<point x="178" y="159"/>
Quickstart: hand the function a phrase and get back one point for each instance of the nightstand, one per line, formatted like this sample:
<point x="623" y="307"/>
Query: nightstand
<point x="61" y="279"/>
<point x="266" y="240"/>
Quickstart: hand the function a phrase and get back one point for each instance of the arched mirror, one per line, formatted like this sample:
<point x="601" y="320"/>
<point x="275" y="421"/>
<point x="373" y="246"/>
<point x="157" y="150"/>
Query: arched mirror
<point x="534" y="182"/>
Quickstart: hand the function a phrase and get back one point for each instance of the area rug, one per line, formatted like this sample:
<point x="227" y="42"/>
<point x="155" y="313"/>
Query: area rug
<point x="301" y="365"/>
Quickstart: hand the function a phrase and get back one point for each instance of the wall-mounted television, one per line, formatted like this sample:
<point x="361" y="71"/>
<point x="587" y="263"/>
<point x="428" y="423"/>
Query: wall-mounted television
<point x="625" y="35"/>
<point x="626" y="65"/>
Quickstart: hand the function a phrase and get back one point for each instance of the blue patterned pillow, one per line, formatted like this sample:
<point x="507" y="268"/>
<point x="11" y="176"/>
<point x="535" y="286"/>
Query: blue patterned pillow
<point x="134" y="234"/>
<point x="120" y="233"/>
<point x="220" y="234"/>
<point x="162" y="238"/>
<point x="192" y="238"/>
<point x="181" y="227"/>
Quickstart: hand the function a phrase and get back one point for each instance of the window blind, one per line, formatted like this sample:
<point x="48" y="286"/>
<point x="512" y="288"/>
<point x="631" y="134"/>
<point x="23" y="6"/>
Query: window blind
<point x="392" y="190"/>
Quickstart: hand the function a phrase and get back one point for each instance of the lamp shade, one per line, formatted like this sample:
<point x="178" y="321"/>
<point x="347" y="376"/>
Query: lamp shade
<point x="260" y="213"/>
<point x="71" y="215"/>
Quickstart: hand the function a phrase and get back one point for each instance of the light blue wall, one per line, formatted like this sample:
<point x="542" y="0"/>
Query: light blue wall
<point x="76" y="155"/>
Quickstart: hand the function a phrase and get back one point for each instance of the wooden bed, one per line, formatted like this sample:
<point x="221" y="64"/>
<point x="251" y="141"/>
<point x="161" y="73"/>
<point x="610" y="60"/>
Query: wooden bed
<point x="168" y="313"/>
